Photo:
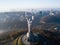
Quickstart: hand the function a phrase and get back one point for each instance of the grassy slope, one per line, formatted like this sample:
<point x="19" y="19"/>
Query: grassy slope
<point x="18" y="41"/>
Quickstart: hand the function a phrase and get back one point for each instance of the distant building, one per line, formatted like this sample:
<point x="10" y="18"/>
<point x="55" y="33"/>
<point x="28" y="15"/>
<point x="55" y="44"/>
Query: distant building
<point x="51" y="13"/>
<point x="57" y="28"/>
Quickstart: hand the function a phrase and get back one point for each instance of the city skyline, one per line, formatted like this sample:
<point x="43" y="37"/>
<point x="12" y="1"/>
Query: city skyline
<point x="6" y="5"/>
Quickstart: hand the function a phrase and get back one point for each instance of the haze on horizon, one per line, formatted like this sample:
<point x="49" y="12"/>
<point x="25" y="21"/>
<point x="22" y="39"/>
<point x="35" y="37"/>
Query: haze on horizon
<point x="6" y="5"/>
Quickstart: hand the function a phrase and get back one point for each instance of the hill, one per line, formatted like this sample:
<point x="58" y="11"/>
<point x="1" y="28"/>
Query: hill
<point x="51" y="19"/>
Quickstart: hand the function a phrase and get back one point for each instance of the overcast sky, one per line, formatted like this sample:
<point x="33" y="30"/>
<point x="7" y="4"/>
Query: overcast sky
<point x="6" y="5"/>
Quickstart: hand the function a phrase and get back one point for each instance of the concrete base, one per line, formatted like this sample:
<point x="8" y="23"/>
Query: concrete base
<point x="32" y="39"/>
